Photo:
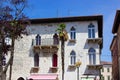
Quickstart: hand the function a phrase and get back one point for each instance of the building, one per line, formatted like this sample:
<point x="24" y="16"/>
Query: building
<point x="115" y="46"/>
<point x="114" y="53"/>
<point x="38" y="55"/>
<point x="106" y="71"/>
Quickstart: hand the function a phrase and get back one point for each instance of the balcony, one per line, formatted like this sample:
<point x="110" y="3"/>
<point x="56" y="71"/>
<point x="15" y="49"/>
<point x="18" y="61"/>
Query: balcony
<point x="34" y="70"/>
<point x="72" y="66"/>
<point x="94" y="67"/>
<point x="93" y="70"/>
<point x="94" y="40"/>
<point x="53" y="69"/>
<point x="47" y="45"/>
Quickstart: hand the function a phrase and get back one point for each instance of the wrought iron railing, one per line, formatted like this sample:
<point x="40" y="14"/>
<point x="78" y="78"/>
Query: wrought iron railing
<point x="45" y="42"/>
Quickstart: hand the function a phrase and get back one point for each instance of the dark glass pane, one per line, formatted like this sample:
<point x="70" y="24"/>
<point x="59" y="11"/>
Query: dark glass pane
<point x="74" y="35"/>
<point x="71" y="35"/>
<point x="36" y="60"/>
<point x="71" y="59"/>
<point x="94" y="58"/>
<point x="38" y="40"/>
<point x="74" y="59"/>
<point x="89" y="33"/>
<point x="93" y="33"/>
<point x="90" y="58"/>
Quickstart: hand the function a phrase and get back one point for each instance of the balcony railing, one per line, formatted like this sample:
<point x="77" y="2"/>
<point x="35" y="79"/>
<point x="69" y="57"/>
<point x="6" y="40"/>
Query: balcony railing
<point x="96" y="67"/>
<point x="94" y="40"/>
<point x="45" y="45"/>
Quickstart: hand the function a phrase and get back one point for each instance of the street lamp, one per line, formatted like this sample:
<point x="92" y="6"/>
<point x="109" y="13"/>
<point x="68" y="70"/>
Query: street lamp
<point x="77" y="64"/>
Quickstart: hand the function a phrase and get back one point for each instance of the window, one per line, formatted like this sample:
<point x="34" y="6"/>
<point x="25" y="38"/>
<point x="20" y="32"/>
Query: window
<point x="73" y="33"/>
<point x="108" y="70"/>
<point x="108" y="77"/>
<point x="102" y="69"/>
<point x="103" y="78"/>
<point x="73" y="57"/>
<point x="54" y="60"/>
<point x="36" y="60"/>
<point x="91" y="31"/>
<point x="38" y="39"/>
<point x="55" y="39"/>
<point x="92" y="56"/>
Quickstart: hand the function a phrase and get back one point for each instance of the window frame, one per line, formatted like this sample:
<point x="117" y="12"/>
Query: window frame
<point x="108" y="77"/>
<point x="54" y="60"/>
<point x="102" y="69"/>
<point x="72" y="58"/>
<point x="92" y="56"/>
<point x="108" y="69"/>
<point x="38" y="39"/>
<point x="73" y="33"/>
<point x="55" y="39"/>
<point x="36" y="60"/>
<point x="91" y="31"/>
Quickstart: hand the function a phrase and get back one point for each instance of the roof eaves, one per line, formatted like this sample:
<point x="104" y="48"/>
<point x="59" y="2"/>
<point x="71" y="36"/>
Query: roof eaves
<point x="116" y="22"/>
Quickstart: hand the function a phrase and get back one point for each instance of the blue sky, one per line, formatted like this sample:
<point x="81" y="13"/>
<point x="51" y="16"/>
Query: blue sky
<point x="62" y="8"/>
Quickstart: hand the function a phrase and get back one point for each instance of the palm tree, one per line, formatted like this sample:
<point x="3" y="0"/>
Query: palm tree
<point x="63" y="37"/>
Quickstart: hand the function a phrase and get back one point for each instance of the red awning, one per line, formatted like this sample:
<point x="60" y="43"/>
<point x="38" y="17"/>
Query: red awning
<point x="43" y="76"/>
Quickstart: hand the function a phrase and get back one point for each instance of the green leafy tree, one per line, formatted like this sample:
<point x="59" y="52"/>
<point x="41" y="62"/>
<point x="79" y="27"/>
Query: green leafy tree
<point x="13" y="22"/>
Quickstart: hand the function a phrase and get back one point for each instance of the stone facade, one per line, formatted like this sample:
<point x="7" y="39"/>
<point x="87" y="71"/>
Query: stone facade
<point x="25" y="50"/>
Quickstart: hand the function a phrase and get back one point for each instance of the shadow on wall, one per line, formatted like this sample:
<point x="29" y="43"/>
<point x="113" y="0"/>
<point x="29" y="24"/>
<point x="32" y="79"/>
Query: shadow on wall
<point x="71" y="43"/>
<point x="31" y="52"/>
<point x="86" y="45"/>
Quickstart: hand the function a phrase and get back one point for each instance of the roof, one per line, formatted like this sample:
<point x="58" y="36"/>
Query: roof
<point x="116" y="22"/>
<point x="105" y="63"/>
<point x="113" y="42"/>
<point x="98" y="18"/>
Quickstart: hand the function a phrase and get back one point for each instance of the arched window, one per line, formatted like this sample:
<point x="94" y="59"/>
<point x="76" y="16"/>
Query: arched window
<point x="73" y="58"/>
<point x="55" y="39"/>
<point x="92" y="56"/>
<point x="91" y="31"/>
<point x="36" y="60"/>
<point x="73" y="33"/>
<point x="54" y="60"/>
<point x="38" y="39"/>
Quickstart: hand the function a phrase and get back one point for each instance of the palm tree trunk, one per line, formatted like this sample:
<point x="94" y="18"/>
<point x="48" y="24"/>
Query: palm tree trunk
<point x="2" y="73"/>
<point x="12" y="56"/>
<point x="62" y="56"/>
<point x="10" y="73"/>
<point x="3" y="76"/>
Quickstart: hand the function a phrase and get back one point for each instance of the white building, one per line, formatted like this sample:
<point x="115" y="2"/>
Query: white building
<point x="106" y="71"/>
<point x="38" y="55"/>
